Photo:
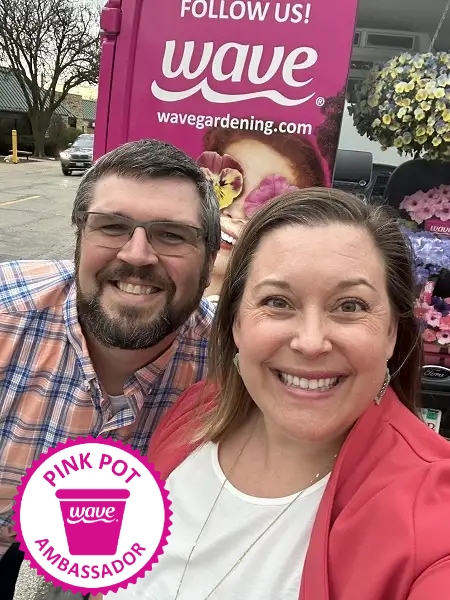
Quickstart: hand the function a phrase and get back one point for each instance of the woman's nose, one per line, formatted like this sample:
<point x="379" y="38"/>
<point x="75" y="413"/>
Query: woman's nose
<point x="310" y="337"/>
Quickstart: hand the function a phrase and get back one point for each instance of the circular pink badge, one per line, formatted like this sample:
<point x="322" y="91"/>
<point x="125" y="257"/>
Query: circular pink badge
<point x="92" y="516"/>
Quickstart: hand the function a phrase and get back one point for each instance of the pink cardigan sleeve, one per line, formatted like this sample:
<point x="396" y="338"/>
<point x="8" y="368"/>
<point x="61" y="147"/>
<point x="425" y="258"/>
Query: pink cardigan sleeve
<point x="432" y="552"/>
<point x="434" y="583"/>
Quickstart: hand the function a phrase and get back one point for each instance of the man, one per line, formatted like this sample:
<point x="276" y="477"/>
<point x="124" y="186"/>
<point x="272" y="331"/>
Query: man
<point x="104" y="346"/>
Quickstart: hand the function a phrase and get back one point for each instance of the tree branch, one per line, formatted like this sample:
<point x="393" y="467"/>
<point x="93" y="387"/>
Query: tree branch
<point x="54" y="40"/>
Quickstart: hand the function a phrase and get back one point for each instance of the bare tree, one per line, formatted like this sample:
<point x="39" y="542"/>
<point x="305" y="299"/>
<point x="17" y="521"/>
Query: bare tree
<point x="51" y="46"/>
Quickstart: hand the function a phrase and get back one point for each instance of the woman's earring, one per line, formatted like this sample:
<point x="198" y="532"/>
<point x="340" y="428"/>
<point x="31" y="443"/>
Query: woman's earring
<point x="387" y="380"/>
<point x="236" y="362"/>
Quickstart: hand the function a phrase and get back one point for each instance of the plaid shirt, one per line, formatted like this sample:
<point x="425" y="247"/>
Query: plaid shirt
<point x="49" y="391"/>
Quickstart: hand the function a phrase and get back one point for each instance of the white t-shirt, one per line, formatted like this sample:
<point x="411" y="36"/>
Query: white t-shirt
<point x="213" y="299"/>
<point x="272" y="570"/>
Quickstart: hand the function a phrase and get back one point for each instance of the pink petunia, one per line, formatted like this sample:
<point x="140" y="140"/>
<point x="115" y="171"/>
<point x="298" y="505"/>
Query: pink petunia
<point x="412" y="203"/>
<point x="444" y="325"/>
<point x="443" y="338"/>
<point x="433" y="318"/>
<point x="443" y="211"/>
<point x="435" y="202"/>
<point x="441" y="191"/>
<point x="429" y="335"/>
<point x="421" y="307"/>
<point x="422" y="214"/>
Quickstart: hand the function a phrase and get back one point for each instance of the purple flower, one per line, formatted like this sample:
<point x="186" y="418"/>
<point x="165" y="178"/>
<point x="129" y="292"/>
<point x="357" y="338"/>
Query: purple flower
<point x="431" y="253"/>
<point x="422" y="275"/>
<point x="440" y="305"/>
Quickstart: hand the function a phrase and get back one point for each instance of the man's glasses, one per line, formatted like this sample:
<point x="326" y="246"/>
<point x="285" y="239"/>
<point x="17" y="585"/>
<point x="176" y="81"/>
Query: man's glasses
<point x="167" y="238"/>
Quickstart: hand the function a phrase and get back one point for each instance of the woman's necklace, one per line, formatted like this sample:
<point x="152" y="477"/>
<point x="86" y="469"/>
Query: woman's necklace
<point x="241" y="558"/>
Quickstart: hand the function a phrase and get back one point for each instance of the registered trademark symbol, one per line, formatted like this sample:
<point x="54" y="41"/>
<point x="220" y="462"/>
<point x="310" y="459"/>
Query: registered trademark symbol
<point x="320" y="101"/>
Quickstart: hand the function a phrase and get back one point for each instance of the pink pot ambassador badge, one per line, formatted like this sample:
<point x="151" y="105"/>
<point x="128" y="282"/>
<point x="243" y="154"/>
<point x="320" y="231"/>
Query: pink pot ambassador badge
<point x="92" y="515"/>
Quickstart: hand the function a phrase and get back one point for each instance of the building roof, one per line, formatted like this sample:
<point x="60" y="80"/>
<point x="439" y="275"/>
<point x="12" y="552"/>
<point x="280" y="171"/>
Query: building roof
<point x="89" y="109"/>
<point x="12" y="98"/>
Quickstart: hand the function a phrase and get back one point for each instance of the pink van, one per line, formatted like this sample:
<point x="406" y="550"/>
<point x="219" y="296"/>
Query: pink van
<point x="178" y="69"/>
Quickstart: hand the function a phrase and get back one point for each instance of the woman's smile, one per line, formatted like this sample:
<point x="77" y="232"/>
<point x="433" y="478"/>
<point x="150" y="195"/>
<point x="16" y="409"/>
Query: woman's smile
<point x="320" y="387"/>
<point x="227" y="239"/>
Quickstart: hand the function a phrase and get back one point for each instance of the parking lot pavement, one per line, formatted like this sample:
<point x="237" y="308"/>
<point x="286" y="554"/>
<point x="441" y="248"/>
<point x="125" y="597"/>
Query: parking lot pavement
<point x="35" y="207"/>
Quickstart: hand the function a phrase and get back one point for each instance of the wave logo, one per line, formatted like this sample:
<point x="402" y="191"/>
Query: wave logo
<point x="437" y="226"/>
<point x="237" y="55"/>
<point x="91" y="514"/>
<point x="92" y="519"/>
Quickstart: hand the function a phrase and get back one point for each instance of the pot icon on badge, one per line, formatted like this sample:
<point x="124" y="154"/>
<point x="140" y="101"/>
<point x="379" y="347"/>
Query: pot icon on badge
<point x="92" y="519"/>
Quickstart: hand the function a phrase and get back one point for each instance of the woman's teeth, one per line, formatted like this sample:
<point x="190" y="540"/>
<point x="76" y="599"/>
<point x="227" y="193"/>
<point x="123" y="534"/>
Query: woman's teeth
<point x="321" y="385"/>
<point x="227" y="238"/>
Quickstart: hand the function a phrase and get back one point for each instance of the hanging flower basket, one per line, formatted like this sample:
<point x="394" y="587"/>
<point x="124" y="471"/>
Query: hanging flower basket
<point x="405" y="103"/>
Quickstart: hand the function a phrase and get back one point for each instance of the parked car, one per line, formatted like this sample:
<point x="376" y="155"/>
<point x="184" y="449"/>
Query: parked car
<point x="79" y="155"/>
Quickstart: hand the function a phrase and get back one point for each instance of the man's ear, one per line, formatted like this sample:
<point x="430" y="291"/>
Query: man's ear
<point x="211" y="262"/>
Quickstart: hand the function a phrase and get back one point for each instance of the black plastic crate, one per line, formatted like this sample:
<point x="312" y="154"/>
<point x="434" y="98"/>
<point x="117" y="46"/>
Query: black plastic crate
<point x="436" y="394"/>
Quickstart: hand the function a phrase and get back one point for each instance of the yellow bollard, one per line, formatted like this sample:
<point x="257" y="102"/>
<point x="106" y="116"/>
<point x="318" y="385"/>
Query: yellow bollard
<point x="15" y="158"/>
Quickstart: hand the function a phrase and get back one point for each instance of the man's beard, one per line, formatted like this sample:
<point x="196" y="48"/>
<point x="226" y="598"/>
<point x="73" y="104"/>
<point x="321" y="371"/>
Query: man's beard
<point x="129" y="330"/>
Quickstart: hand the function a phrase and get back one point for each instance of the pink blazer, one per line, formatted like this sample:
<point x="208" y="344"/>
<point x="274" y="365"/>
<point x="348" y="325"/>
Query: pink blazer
<point x="382" y="531"/>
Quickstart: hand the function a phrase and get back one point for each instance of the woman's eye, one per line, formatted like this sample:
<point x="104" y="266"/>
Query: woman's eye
<point x="276" y="302"/>
<point x="352" y="306"/>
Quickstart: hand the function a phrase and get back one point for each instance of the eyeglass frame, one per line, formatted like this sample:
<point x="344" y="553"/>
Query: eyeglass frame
<point x="82" y="216"/>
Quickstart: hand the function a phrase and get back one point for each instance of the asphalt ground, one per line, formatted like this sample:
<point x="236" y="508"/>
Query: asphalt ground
<point x="35" y="206"/>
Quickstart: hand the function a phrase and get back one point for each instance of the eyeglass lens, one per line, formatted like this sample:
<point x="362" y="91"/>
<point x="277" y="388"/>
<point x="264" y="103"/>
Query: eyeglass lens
<point x="114" y="231"/>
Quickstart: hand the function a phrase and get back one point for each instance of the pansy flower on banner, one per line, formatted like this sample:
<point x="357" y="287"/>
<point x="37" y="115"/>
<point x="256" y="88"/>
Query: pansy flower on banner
<point x="270" y="187"/>
<point x="226" y="175"/>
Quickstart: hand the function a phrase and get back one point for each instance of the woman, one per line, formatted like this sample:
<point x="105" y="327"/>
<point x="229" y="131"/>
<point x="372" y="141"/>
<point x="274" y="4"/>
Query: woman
<point x="300" y="469"/>
<point x="250" y="168"/>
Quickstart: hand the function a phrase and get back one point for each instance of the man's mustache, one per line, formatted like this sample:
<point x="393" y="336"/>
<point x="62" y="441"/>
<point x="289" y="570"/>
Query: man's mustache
<point x="145" y="274"/>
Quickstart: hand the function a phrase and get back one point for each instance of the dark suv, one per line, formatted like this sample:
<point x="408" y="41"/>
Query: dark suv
<point x="79" y="155"/>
